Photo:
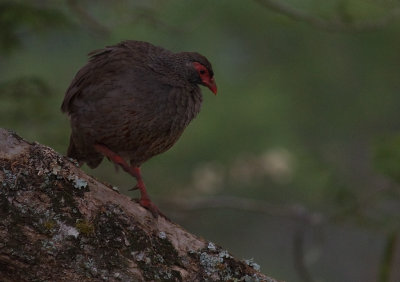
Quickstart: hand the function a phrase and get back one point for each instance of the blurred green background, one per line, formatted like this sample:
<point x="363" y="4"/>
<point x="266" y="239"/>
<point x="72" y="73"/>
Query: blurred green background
<point x="295" y="163"/>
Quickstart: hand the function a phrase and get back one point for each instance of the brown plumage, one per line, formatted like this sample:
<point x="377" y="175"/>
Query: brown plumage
<point x="132" y="101"/>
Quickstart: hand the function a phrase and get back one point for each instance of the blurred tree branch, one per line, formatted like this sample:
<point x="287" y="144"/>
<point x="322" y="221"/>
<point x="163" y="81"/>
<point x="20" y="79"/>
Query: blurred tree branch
<point x="296" y="212"/>
<point x="299" y="255"/>
<point x="87" y="19"/>
<point x="387" y="261"/>
<point x="344" y="23"/>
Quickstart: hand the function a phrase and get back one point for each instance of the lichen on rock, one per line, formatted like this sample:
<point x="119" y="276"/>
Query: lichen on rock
<point x="59" y="223"/>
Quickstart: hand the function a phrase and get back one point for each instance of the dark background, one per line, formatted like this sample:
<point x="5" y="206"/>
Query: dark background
<point x="295" y="163"/>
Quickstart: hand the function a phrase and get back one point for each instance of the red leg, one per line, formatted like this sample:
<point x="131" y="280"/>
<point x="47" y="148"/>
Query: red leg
<point x="144" y="200"/>
<point x="114" y="157"/>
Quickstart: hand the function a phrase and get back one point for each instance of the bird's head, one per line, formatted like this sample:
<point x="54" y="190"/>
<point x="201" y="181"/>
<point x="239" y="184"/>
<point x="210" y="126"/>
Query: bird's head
<point x="199" y="70"/>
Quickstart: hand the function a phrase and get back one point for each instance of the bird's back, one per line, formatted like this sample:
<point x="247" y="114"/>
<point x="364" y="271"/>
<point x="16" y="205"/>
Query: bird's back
<point x="127" y="99"/>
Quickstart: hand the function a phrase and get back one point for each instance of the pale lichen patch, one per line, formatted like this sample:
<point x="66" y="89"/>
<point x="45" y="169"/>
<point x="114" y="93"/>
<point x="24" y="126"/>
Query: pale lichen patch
<point x="65" y="231"/>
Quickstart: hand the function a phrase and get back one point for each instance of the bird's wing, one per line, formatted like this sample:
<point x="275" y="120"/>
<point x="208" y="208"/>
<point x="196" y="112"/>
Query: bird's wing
<point x="90" y="76"/>
<point x="104" y="65"/>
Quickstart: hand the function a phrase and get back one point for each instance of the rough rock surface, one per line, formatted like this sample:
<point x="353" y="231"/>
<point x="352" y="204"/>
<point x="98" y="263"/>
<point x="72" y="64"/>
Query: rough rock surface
<point x="59" y="224"/>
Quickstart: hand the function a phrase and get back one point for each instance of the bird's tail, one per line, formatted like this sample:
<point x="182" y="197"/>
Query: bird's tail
<point x="88" y="155"/>
<point x="73" y="152"/>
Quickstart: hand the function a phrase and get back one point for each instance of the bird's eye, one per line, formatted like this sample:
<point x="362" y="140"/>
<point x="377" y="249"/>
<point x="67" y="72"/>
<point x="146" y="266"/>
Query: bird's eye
<point x="202" y="72"/>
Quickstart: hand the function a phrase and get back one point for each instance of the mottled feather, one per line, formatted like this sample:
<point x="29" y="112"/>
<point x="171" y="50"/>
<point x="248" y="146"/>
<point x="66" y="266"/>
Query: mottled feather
<point x="133" y="97"/>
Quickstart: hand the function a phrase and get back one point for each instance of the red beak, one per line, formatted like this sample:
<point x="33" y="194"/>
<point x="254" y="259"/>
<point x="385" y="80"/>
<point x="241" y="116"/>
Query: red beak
<point x="211" y="85"/>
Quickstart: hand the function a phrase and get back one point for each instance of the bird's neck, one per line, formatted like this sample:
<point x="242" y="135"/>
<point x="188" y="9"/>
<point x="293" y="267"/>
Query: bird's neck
<point x="184" y="105"/>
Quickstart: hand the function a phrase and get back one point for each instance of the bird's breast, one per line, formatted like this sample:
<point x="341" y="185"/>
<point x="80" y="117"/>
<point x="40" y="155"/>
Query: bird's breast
<point x="182" y="107"/>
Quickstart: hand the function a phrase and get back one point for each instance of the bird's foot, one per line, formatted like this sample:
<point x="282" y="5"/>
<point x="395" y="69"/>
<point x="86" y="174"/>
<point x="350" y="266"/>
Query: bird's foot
<point x="150" y="206"/>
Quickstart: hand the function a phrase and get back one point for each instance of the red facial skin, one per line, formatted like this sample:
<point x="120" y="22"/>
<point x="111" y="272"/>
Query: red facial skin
<point x="205" y="77"/>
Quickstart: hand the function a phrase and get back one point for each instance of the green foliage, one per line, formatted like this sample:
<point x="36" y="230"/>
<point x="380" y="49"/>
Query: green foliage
<point x="29" y="106"/>
<point x="18" y="18"/>
<point x="387" y="156"/>
<point x="23" y="99"/>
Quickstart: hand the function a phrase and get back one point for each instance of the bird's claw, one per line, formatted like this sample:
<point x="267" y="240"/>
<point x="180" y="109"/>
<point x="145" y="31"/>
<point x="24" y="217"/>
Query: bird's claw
<point x="151" y="207"/>
<point x="134" y="188"/>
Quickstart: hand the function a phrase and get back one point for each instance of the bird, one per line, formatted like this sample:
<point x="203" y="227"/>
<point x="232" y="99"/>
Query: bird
<point x="132" y="101"/>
